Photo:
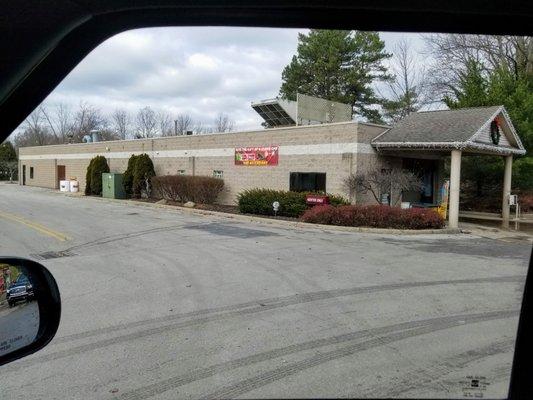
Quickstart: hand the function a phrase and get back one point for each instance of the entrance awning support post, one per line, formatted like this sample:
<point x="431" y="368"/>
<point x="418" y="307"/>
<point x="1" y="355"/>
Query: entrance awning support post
<point x="455" y="182"/>
<point x="507" y="173"/>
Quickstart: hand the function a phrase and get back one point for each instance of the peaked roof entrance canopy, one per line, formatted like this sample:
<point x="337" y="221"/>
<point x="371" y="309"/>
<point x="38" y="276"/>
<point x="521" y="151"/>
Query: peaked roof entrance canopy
<point x="479" y="130"/>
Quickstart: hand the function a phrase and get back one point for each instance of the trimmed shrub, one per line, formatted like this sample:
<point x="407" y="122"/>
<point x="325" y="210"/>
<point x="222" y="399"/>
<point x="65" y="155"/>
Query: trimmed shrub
<point x="259" y="201"/>
<point x="143" y="171"/>
<point x="183" y="188"/>
<point x="93" y="176"/>
<point x="320" y="215"/>
<point x="292" y="204"/>
<point x="526" y="202"/>
<point x="88" y="178"/>
<point x="523" y="174"/>
<point x="337" y="200"/>
<point x="127" y="180"/>
<point x="98" y="167"/>
<point x="375" y="216"/>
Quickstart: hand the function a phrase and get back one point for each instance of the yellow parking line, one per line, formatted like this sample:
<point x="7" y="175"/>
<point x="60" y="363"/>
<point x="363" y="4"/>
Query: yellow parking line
<point x="34" y="225"/>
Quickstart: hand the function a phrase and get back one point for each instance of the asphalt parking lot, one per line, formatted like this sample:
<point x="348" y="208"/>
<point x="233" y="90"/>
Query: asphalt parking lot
<point x="164" y="304"/>
<point x="18" y="325"/>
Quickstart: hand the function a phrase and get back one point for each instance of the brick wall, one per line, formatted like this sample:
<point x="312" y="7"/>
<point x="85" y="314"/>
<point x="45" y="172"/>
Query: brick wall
<point x="325" y="148"/>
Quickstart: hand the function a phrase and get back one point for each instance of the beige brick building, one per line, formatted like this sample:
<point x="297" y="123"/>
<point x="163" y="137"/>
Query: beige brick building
<point x="335" y="150"/>
<point x="310" y="157"/>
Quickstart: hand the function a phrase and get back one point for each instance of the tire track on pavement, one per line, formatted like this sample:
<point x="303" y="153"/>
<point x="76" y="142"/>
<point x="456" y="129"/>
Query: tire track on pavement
<point x="284" y="301"/>
<point x="177" y="381"/>
<point x="209" y="315"/>
<point x="246" y="385"/>
<point x="124" y="236"/>
<point x="434" y="372"/>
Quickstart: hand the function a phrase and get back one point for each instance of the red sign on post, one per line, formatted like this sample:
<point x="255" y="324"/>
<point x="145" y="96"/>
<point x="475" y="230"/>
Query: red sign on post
<point x="258" y="156"/>
<point x="312" y="199"/>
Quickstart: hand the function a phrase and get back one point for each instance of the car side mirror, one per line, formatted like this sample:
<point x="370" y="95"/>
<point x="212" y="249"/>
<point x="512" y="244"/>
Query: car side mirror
<point x="30" y="308"/>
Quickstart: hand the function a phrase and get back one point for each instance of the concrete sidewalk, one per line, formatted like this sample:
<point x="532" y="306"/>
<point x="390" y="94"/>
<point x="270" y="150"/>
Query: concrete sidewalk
<point x="525" y="218"/>
<point x="506" y="235"/>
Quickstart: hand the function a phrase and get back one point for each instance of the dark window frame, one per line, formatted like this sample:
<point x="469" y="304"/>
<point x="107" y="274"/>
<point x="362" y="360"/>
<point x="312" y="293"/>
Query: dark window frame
<point x="307" y="181"/>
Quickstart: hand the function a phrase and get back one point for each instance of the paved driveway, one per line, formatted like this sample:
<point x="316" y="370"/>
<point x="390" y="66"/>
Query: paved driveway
<point x="166" y="304"/>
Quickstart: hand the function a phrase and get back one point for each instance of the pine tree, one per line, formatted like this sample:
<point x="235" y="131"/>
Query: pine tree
<point x="127" y="181"/>
<point x="142" y="172"/>
<point x="497" y="87"/>
<point x="471" y="90"/>
<point x="340" y="66"/>
<point x="98" y="166"/>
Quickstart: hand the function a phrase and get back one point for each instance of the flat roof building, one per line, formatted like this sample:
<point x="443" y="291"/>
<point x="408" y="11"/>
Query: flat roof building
<point x="308" y="157"/>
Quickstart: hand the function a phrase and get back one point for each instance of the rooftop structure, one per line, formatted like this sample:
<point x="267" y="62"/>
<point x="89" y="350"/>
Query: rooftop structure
<point x="306" y="110"/>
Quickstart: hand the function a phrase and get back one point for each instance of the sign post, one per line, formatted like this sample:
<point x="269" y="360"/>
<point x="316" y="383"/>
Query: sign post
<point x="275" y="207"/>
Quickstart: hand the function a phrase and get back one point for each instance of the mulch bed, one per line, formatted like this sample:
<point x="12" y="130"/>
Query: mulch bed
<point x="219" y="208"/>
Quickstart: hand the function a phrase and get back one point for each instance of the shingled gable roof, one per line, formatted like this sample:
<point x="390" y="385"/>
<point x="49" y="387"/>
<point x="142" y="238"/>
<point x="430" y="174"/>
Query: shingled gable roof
<point x="451" y="129"/>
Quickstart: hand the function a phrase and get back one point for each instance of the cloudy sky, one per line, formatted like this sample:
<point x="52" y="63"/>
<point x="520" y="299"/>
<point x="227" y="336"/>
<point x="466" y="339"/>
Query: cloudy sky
<point x="195" y="71"/>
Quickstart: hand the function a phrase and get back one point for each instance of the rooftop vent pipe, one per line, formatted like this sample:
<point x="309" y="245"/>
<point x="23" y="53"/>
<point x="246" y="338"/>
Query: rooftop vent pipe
<point x="95" y="135"/>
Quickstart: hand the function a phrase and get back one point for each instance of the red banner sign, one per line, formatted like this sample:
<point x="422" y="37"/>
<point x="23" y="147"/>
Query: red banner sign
<point x="257" y="155"/>
<point x="316" y="199"/>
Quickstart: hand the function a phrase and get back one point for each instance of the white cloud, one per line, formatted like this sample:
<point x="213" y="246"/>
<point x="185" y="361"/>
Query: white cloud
<point x="202" y="61"/>
<point x="198" y="71"/>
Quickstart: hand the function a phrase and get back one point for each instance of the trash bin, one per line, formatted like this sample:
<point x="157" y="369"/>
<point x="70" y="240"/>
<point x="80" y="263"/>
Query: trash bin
<point x="64" y="186"/>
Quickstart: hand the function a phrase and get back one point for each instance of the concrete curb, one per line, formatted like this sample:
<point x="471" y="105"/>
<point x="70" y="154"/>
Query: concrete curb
<point x="278" y="222"/>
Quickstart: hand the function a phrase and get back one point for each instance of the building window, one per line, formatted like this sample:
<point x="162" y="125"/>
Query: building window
<point x="31" y="172"/>
<point x="181" y="172"/>
<point x="308" y="182"/>
<point x="218" y="174"/>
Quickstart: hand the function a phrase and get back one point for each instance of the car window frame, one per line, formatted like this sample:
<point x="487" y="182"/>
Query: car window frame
<point x="55" y="54"/>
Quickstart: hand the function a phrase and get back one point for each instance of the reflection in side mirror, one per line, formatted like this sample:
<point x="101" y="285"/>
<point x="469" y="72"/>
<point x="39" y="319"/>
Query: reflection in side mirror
<point x="30" y="308"/>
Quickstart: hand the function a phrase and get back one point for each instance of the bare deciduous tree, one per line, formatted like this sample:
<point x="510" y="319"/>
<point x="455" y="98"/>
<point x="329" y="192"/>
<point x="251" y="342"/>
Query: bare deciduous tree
<point x="8" y="169"/>
<point x="183" y="124"/>
<point x="378" y="181"/>
<point x="34" y="131"/>
<point x="59" y="121"/>
<point x="108" y="134"/>
<point x="454" y="52"/>
<point x="146" y="123"/>
<point x="121" y="121"/>
<point x="200" y="129"/>
<point x="407" y="91"/>
<point x="86" y="119"/>
<point x="223" y="123"/>
<point x="166" y="127"/>
<point x="8" y="161"/>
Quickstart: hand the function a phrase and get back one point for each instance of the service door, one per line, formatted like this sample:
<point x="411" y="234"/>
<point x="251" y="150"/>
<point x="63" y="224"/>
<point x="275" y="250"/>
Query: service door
<point x="60" y="174"/>
<point x="23" y="175"/>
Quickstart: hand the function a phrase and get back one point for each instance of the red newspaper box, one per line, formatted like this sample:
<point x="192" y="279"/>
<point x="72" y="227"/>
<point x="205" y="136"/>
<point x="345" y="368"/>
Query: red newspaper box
<point x="316" y="199"/>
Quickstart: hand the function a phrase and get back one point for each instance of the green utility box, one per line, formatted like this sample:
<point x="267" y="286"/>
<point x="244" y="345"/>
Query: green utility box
<point x="112" y="187"/>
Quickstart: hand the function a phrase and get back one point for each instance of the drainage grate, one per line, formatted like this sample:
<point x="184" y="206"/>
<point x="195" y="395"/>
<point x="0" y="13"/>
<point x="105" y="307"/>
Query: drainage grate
<point x="52" y="254"/>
